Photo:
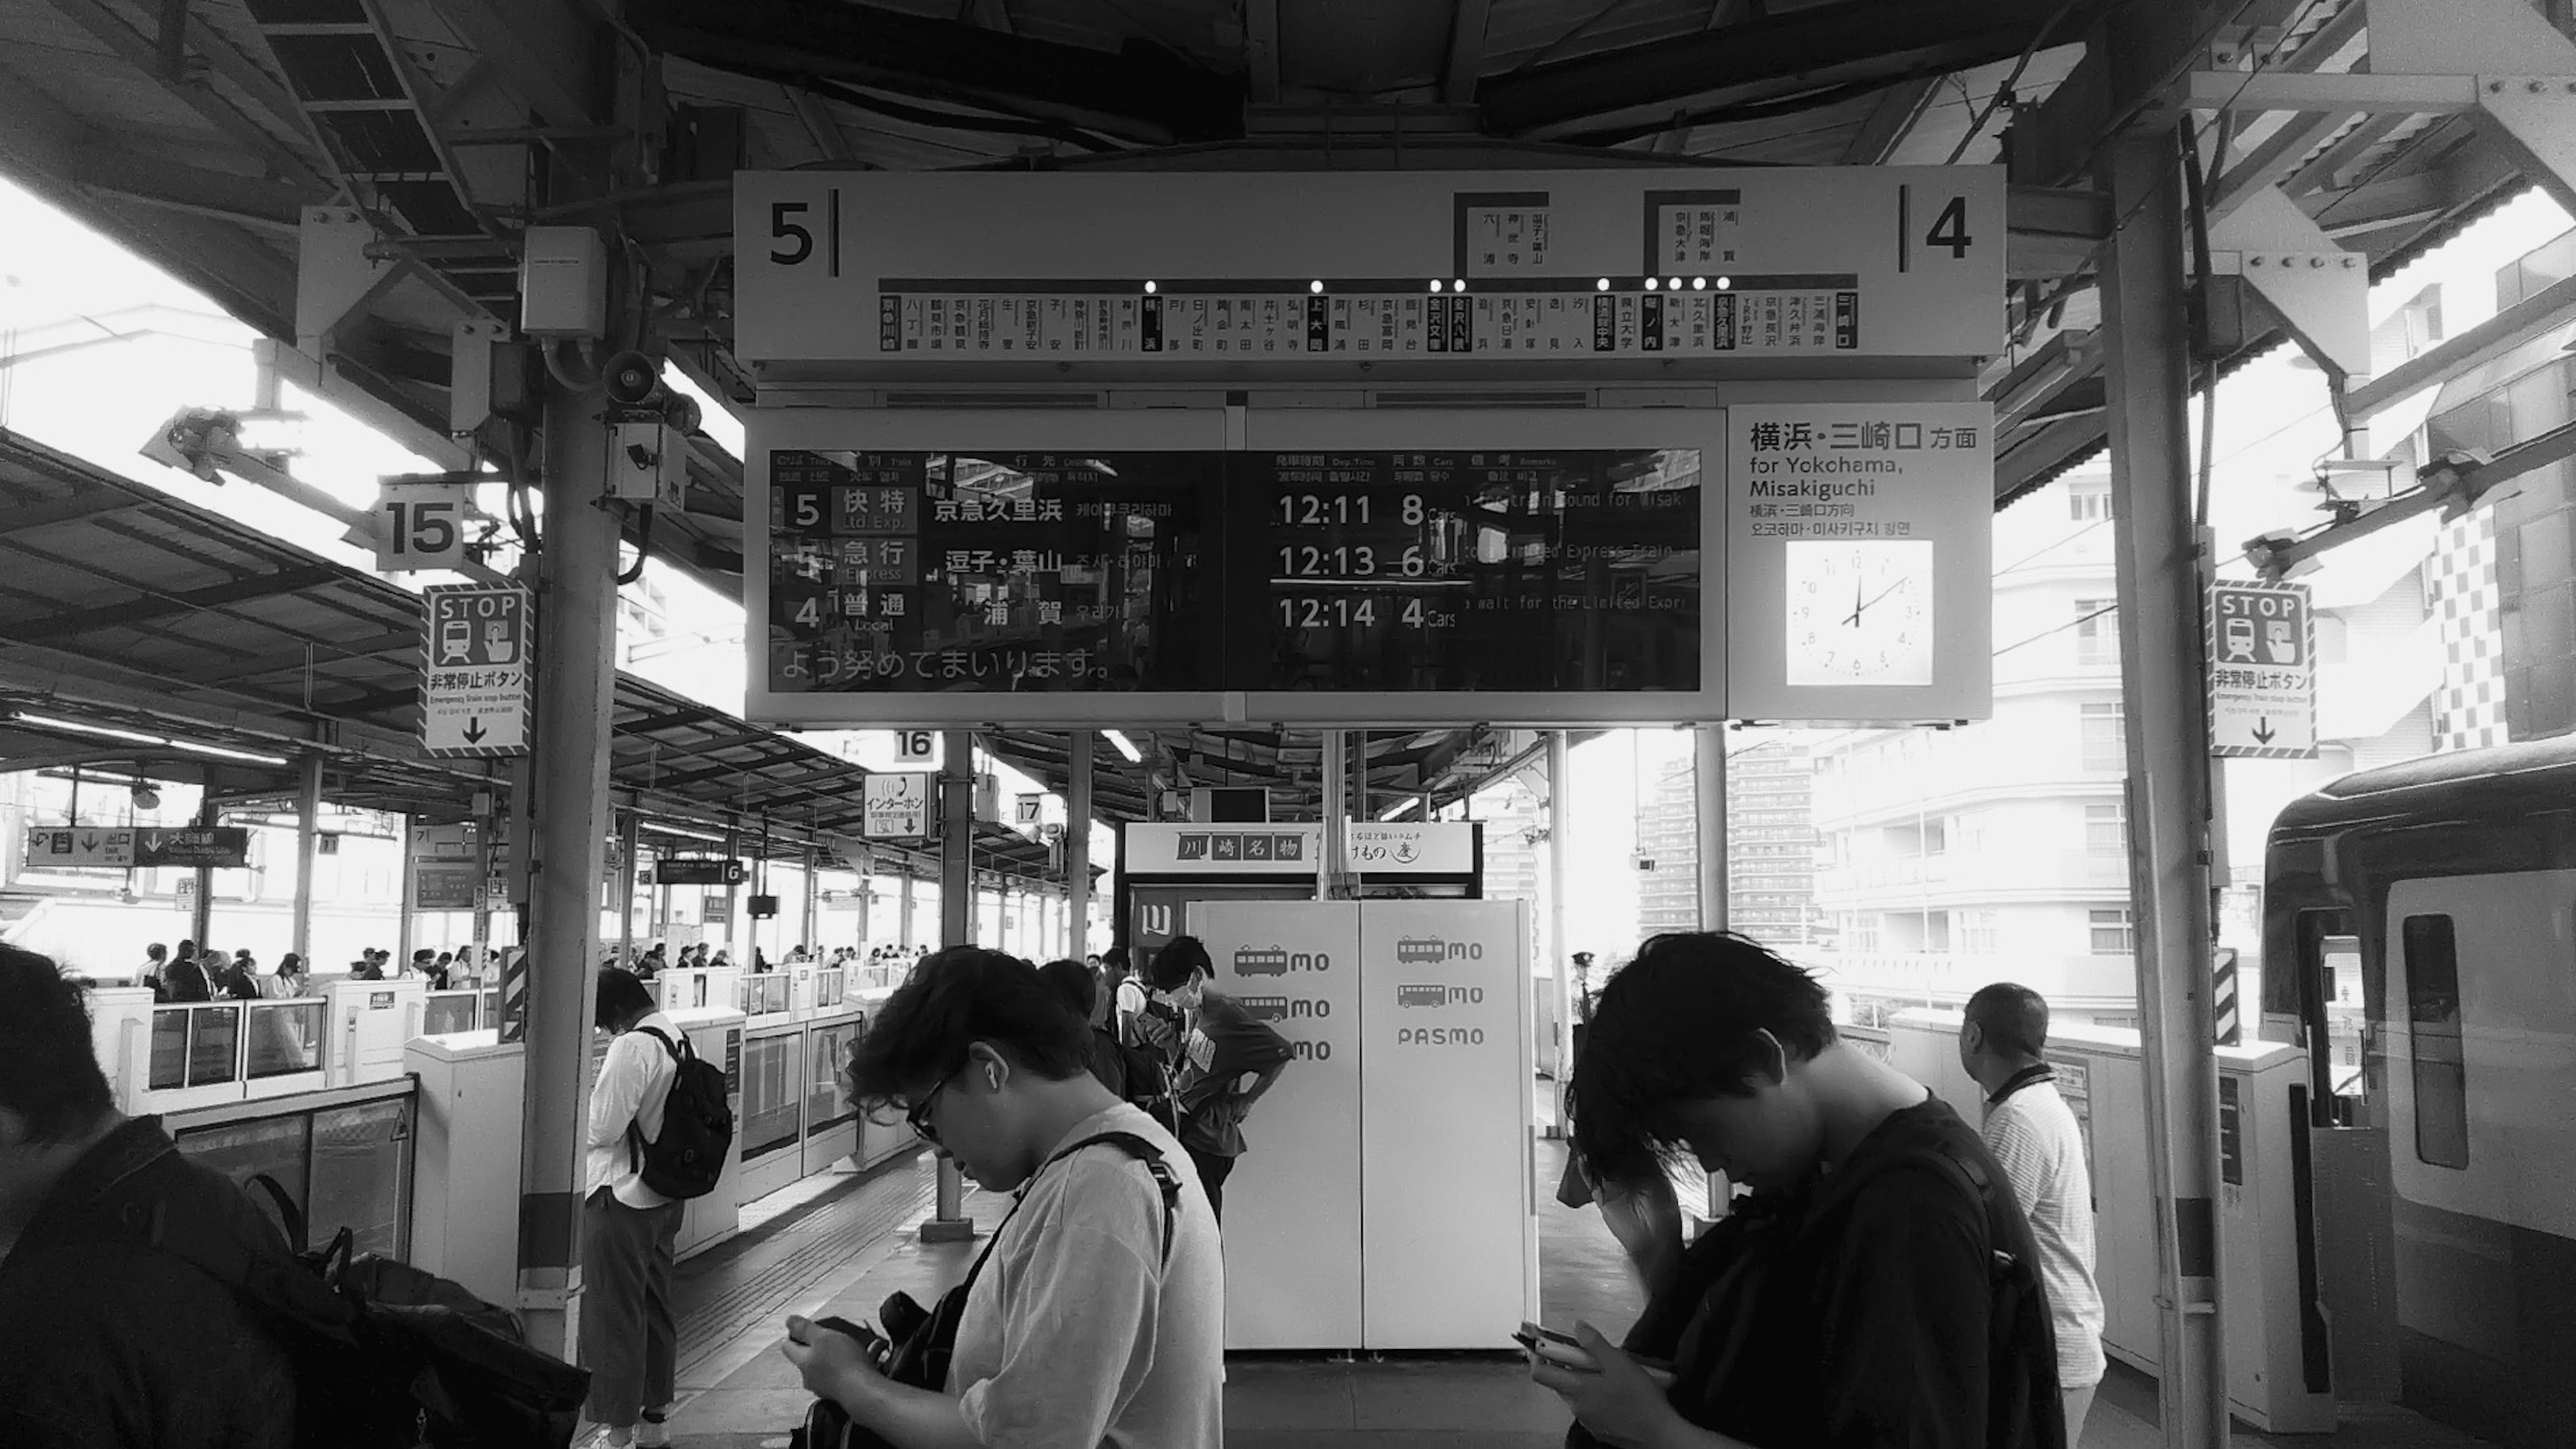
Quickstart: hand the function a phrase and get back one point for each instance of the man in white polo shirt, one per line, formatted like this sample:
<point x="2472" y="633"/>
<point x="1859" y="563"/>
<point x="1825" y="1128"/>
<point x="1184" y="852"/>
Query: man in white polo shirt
<point x="629" y="1231"/>
<point x="2033" y="1133"/>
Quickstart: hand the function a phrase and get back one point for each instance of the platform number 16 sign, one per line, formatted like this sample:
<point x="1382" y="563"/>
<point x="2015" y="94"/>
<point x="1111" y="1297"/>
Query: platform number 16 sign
<point x="913" y="747"/>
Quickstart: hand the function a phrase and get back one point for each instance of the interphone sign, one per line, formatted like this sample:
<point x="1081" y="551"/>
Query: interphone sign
<point x="2262" y="671"/>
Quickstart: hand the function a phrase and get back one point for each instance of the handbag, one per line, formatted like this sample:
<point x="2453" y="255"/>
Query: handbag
<point x="918" y="1344"/>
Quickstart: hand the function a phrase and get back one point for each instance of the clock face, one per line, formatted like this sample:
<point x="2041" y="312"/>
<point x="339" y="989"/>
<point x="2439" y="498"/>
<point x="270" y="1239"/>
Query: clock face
<point x="1860" y="612"/>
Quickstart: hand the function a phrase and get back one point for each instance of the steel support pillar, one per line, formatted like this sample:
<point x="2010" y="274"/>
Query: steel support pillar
<point x="1336" y="812"/>
<point x="630" y="841"/>
<point x="1560" y="952"/>
<point x="2168" y="748"/>
<point x="410" y="887"/>
<point x="904" y="904"/>
<point x="1077" y="843"/>
<point x="948" y="1222"/>
<point x="547" y="999"/>
<point x="201" y="919"/>
<point x="1708" y="747"/>
<point x="308" y="836"/>
<point x="809" y="922"/>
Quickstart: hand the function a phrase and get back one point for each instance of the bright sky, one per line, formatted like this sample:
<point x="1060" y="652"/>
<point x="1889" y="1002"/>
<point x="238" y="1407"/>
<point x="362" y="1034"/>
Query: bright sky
<point x="62" y="285"/>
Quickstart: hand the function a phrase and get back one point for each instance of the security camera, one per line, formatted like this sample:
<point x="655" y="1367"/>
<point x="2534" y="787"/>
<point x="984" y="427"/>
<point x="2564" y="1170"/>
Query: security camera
<point x="632" y="380"/>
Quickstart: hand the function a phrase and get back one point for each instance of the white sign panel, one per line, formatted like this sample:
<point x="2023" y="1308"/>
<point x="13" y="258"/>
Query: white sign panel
<point x="421" y="525"/>
<point x="1860" y="561"/>
<point x="1440" y="847"/>
<point x="896" y="806"/>
<point x="58" y="846"/>
<point x="1292" y="1205"/>
<point x="474" y="694"/>
<point x="1167" y="848"/>
<point x="1715" y="270"/>
<point x="2262" y="671"/>
<point x="1449" y="1237"/>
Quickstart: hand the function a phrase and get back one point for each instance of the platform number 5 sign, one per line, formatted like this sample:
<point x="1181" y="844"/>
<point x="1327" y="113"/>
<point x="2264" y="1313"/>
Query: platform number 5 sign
<point x="913" y="747"/>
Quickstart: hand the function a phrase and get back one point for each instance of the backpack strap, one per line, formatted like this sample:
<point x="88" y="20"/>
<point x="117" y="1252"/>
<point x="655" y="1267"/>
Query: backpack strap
<point x="264" y="1279"/>
<point x="1150" y="1155"/>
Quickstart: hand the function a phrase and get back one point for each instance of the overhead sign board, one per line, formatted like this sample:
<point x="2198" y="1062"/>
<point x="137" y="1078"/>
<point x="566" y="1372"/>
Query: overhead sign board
<point x="697" y="871"/>
<point x="212" y="846"/>
<point x="896" y="805"/>
<point x="475" y="679"/>
<point x="1173" y="848"/>
<point x="1860" y="561"/>
<point x="446" y="885"/>
<point x="62" y="847"/>
<point x="2262" y="671"/>
<point x="916" y="747"/>
<point x="1410" y="273"/>
<point x="1334" y="568"/>
<point x="1436" y="847"/>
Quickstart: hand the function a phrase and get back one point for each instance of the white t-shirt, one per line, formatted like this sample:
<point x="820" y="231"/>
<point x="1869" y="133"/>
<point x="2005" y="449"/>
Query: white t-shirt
<point x="634" y="1085"/>
<point x="1079" y="1333"/>
<point x="2033" y="1133"/>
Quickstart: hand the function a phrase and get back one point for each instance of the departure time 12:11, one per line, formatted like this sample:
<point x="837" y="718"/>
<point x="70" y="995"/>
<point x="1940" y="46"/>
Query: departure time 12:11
<point x="1324" y="510"/>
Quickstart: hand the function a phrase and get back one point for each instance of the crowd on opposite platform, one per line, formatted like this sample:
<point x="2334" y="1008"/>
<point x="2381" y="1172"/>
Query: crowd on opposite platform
<point x="1895" y="1275"/>
<point x="888" y="963"/>
<point x="203" y="973"/>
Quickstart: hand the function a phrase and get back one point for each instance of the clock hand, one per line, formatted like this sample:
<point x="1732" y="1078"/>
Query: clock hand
<point x="1883" y="593"/>
<point x="1853" y="618"/>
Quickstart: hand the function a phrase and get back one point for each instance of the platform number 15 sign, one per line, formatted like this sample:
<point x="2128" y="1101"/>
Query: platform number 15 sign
<point x="421" y="525"/>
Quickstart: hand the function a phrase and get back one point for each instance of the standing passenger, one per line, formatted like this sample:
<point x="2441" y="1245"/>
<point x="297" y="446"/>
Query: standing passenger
<point x="2033" y="1133"/>
<point x="1226" y="1061"/>
<point x="1098" y="1317"/>
<point x="629" y="1231"/>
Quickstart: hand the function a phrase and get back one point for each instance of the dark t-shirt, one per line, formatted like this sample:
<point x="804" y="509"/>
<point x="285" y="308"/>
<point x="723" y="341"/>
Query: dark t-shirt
<point x="106" y="1345"/>
<point x="1858" y="1319"/>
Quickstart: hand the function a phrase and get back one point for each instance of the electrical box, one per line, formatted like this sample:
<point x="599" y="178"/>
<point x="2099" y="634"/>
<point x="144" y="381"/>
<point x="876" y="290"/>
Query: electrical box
<point x="487" y="374"/>
<point x="647" y="463"/>
<point x="563" y="283"/>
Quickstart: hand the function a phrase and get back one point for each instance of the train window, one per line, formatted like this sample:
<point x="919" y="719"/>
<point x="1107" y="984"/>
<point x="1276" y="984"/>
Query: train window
<point x="2433" y="1018"/>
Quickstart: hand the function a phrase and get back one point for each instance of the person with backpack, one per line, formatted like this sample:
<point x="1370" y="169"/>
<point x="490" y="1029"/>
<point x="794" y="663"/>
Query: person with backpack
<point x="104" y="1345"/>
<point x="629" y="1230"/>
<point x="1080" y="990"/>
<point x="2034" y="1134"/>
<point x="1879" y="1287"/>
<point x="1097" y="1313"/>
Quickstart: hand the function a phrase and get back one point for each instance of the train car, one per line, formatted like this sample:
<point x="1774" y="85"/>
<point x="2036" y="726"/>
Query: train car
<point x="2442" y="1125"/>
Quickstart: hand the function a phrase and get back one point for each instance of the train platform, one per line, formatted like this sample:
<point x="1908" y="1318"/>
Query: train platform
<point x="840" y="1242"/>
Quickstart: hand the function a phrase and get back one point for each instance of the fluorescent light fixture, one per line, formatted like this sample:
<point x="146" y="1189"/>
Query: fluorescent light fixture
<point x="221" y="753"/>
<point x="658" y="829"/>
<point x="1402" y="807"/>
<point x="48" y="722"/>
<point x="1124" y="746"/>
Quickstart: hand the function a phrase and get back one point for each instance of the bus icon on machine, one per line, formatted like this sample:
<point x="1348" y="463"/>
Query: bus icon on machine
<point x="1261" y="961"/>
<point x="1264" y="1008"/>
<point x="1422" y="996"/>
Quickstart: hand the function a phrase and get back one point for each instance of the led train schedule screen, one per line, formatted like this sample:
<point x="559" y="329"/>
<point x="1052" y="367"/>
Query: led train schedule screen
<point x="1543" y="572"/>
<point x="1009" y="572"/>
<point x="1525" y="572"/>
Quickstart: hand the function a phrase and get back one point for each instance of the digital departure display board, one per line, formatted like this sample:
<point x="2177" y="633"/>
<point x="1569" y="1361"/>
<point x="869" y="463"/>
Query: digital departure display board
<point x="1185" y="571"/>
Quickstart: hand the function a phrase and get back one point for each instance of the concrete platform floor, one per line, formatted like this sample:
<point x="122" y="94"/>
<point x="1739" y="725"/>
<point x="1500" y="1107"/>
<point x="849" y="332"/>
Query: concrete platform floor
<point x="841" y="1243"/>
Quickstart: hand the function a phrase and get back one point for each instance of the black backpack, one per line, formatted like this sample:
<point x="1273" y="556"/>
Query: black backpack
<point x="387" y="1356"/>
<point x="688" y="1157"/>
<point x="918" y="1343"/>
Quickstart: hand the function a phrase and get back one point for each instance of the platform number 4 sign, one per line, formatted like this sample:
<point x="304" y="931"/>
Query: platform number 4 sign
<point x="913" y="747"/>
<point x="1948" y="234"/>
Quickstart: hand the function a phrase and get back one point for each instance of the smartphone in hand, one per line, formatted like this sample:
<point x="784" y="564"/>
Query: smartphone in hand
<point x="1566" y="1351"/>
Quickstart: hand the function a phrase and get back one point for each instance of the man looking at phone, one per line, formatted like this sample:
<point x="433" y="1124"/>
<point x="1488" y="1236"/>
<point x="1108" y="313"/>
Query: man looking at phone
<point x="1099" y="1317"/>
<point x="1854" y="1299"/>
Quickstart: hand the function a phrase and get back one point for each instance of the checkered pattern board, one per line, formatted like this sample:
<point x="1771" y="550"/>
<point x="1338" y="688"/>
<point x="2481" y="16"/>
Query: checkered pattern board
<point x="2468" y="708"/>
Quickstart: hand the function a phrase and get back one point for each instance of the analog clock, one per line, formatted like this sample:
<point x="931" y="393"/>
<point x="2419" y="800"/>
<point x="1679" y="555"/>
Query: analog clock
<point x="1860" y="612"/>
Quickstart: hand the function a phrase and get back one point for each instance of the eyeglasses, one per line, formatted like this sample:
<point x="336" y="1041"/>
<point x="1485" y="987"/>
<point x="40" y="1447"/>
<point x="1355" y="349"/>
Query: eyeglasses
<point x="919" y="1116"/>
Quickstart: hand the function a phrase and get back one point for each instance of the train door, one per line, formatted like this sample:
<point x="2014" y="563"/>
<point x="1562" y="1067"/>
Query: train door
<point x="2341" y="1164"/>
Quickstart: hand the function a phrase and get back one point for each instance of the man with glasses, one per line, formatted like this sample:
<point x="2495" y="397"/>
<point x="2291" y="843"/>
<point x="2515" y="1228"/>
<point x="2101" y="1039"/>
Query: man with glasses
<point x="1098" y="1315"/>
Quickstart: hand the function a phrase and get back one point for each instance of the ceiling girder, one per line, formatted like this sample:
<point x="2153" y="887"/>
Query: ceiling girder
<point x="1143" y="93"/>
<point x="1763" y="58"/>
<point x="162" y="606"/>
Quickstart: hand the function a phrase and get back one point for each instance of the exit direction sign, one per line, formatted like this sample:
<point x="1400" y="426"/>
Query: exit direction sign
<point x="58" y="846"/>
<point x="2262" y="672"/>
<point x="474" y="683"/>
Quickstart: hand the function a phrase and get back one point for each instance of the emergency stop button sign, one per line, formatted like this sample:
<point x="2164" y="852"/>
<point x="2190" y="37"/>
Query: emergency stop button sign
<point x="474" y="683"/>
